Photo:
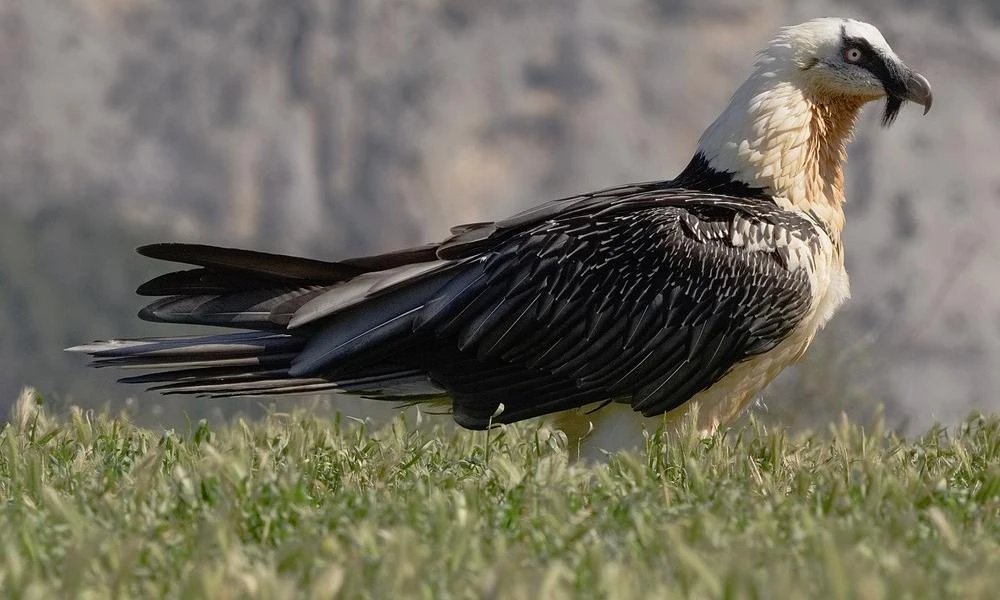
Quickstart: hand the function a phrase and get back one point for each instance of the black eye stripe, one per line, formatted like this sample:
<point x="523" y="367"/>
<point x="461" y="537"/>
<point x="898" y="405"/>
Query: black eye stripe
<point x="861" y="44"/>
<point x="889" y="72"/>
<point x="848" y="42"/>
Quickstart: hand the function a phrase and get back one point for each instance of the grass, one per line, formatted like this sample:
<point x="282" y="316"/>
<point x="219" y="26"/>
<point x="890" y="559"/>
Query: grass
<point x="94" y="506"/>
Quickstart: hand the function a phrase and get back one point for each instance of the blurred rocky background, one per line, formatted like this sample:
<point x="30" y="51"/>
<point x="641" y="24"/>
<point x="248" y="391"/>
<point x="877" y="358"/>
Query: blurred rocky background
<point x="334" y="127"/>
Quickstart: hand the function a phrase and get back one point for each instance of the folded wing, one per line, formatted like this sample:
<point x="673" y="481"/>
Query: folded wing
<point x="645" y="294"/>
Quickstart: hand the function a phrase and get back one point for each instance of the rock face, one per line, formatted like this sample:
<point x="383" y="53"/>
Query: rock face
<point x="343" y="126"/>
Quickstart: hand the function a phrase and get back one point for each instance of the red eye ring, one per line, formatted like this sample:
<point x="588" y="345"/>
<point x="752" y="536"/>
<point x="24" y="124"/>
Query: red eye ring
<point x="852" y="55"/>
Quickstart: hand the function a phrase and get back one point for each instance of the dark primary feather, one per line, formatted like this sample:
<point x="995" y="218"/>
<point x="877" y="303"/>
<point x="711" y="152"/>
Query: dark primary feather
<point x="636" y="294"/>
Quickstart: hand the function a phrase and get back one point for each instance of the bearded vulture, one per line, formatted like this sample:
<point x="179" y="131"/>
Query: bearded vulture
<point x="660" y="296"/>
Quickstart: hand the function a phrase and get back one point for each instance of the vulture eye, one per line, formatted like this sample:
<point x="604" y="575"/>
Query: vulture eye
<point x="852" y="55"/>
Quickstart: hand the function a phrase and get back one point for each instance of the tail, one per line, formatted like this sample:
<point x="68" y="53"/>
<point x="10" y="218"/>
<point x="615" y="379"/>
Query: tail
<point x="284" y="302"/>
<point x="430" y="323"/>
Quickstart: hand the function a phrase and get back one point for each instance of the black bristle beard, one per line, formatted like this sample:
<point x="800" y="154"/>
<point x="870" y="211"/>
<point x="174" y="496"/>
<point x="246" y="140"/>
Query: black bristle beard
<point x="892" y="107"/>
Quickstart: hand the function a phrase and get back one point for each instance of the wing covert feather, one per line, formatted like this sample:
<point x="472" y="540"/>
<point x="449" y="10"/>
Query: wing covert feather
<point x="668" y="303"/>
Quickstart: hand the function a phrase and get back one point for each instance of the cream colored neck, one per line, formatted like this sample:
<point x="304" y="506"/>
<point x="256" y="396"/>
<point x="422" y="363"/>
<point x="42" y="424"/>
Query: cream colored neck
<point x="781" y="138"/>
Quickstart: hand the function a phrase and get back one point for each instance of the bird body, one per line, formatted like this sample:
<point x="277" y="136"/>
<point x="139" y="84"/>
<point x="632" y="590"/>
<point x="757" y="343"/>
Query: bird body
<point x="660" y="296"/>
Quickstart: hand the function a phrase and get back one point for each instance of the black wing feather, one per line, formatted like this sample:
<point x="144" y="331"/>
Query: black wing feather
<point x="633" y="294"/>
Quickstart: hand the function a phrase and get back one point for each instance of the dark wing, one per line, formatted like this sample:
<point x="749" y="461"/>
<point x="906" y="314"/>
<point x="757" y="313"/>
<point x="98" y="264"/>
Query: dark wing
<point x="645" y="293"/>
<point x="647" y="296"/>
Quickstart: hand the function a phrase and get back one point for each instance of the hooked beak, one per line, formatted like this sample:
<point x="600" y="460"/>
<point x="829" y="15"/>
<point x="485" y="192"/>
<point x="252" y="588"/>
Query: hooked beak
<point x="906" y="85"/>
<point x="918" y="90"/>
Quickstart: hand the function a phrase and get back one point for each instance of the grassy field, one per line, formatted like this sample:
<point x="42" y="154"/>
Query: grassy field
<point x="93" y="507"/>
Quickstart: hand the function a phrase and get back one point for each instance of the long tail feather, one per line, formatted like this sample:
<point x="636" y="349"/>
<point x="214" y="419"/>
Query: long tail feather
<point x="262" y="264"/>
<point x="347" y="319"/>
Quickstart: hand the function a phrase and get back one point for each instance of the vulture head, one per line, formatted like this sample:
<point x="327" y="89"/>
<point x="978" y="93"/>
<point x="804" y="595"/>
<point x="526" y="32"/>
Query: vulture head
<point x="786" y="128"/>
<point x="849" y="59"/>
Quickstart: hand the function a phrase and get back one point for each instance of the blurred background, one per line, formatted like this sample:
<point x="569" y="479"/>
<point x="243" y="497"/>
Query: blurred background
<point x="336" y="127"/>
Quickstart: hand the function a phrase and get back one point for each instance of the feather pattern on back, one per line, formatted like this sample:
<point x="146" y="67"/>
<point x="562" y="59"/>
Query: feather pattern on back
<point x="643" y="294"/>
